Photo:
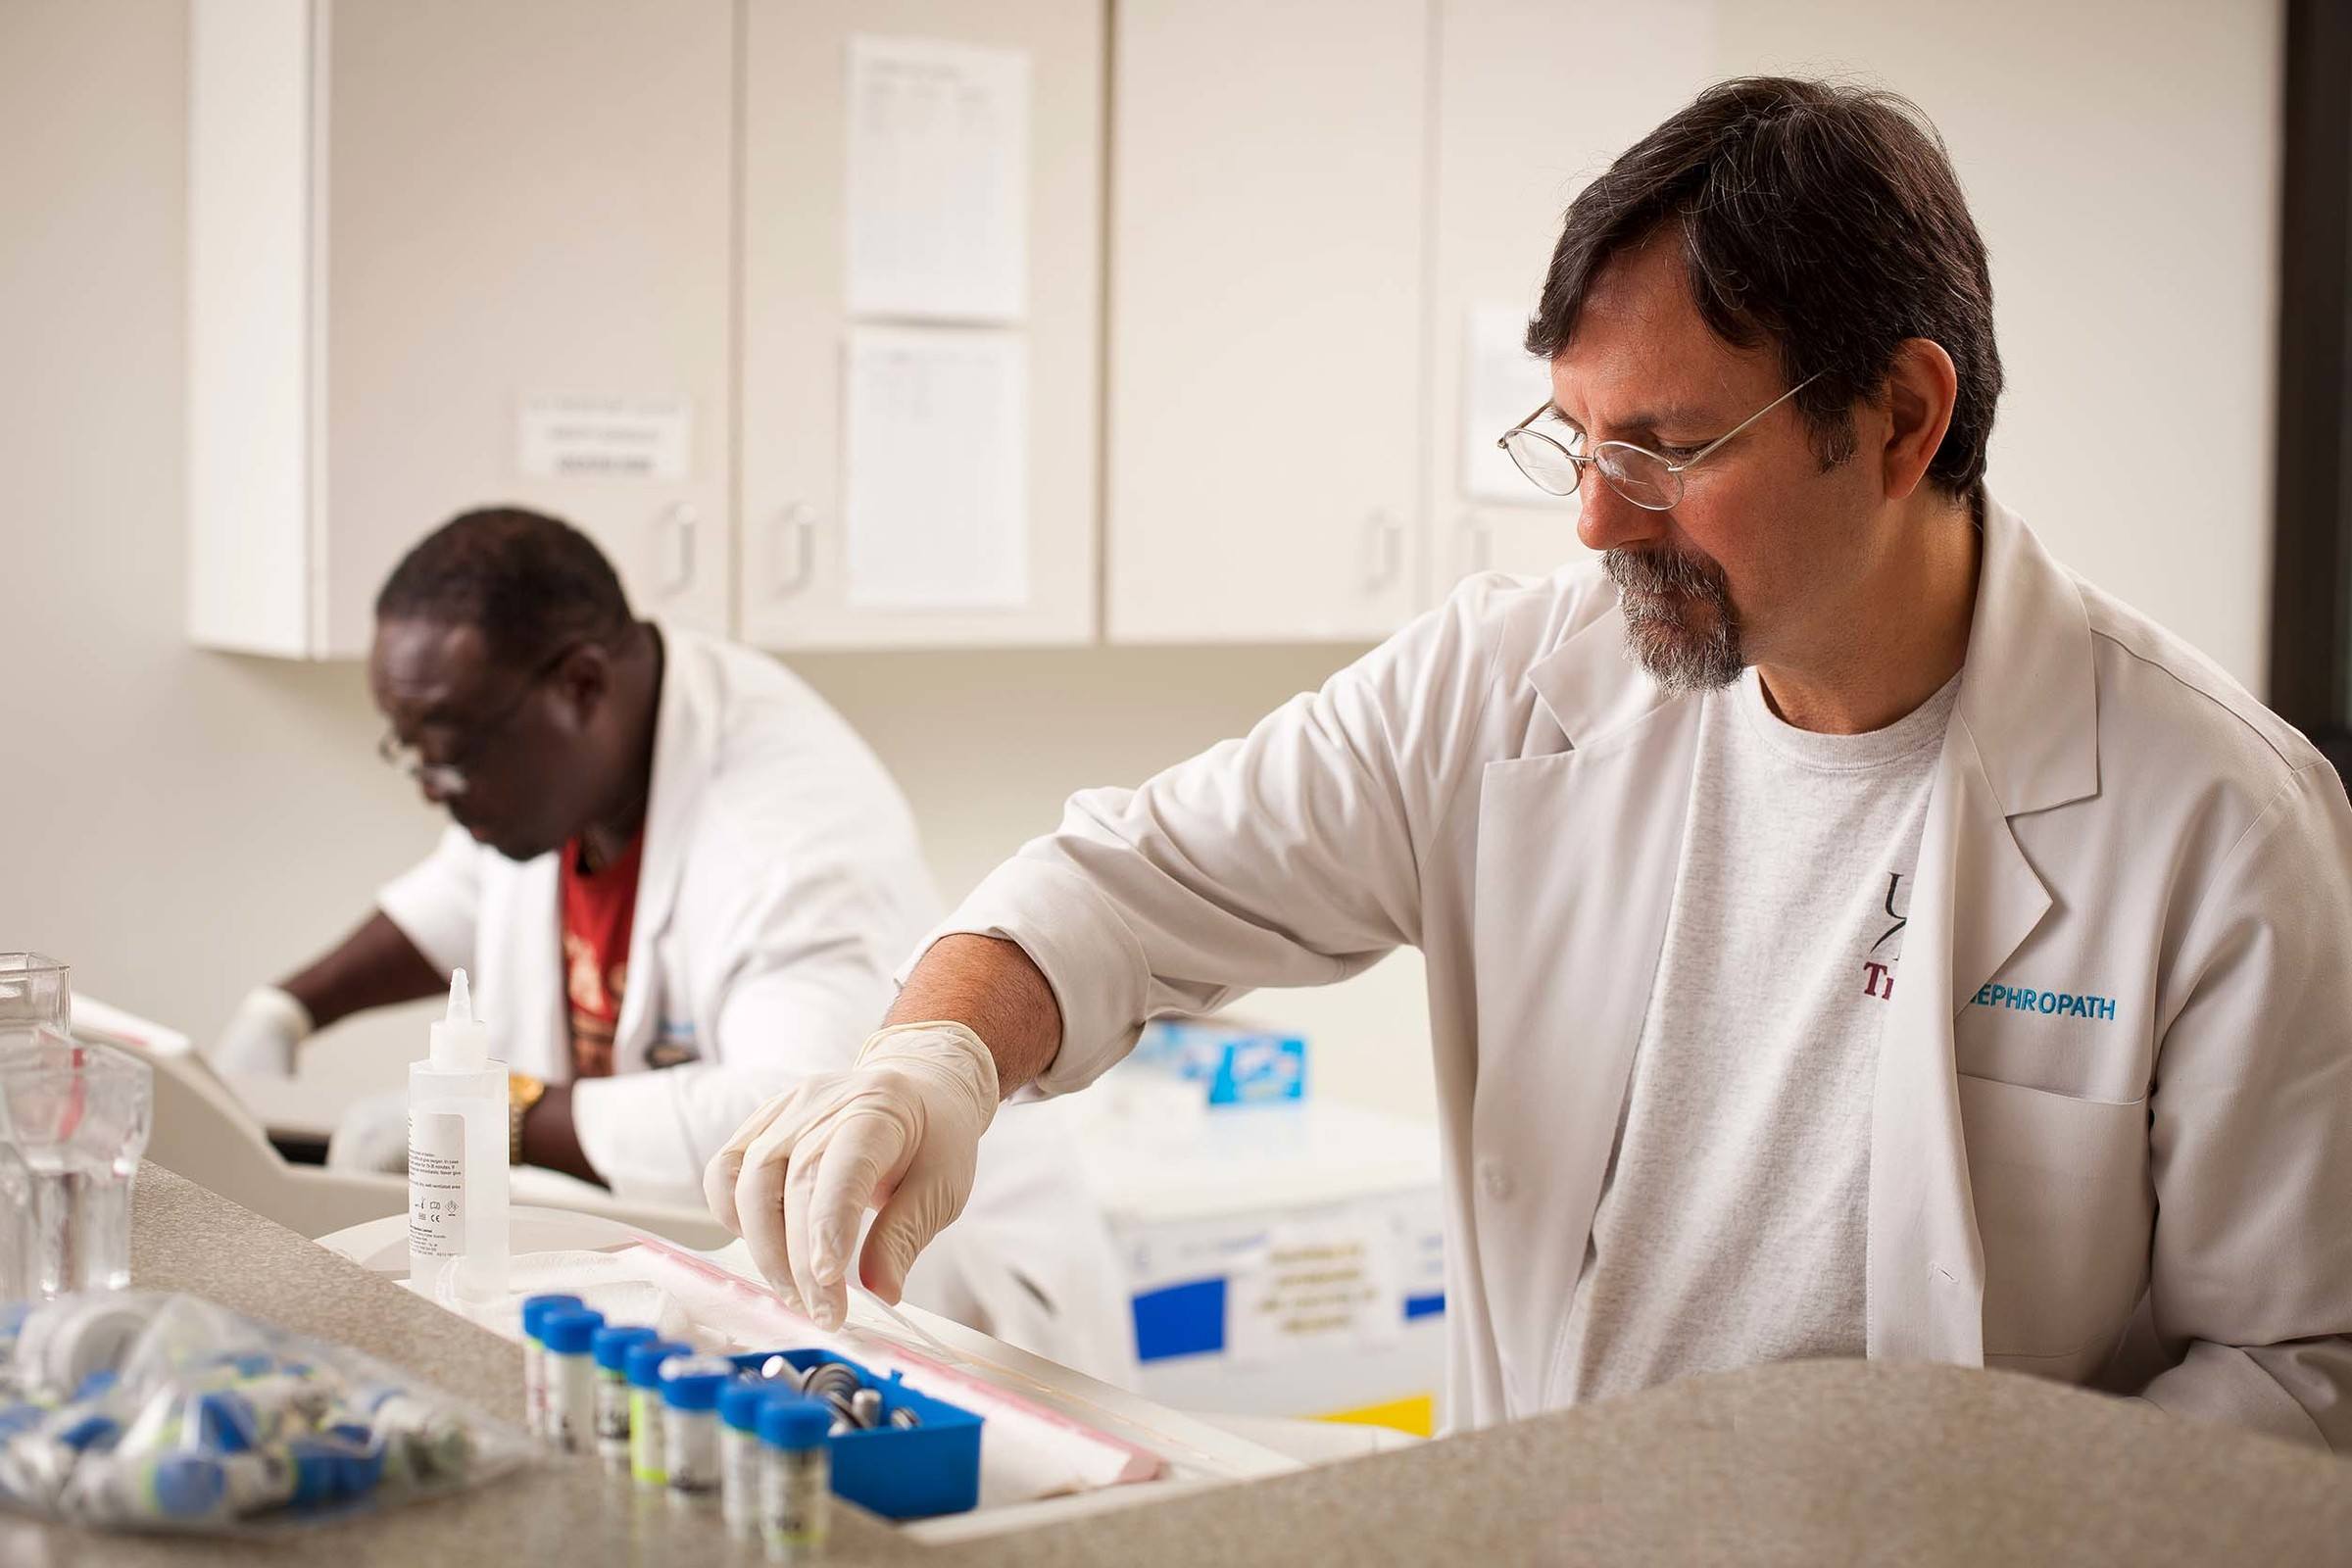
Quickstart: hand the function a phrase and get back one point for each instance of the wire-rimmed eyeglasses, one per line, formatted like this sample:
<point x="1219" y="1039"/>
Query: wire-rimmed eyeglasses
<point x="1648" y="479"/>
<point x="444" y="779"/>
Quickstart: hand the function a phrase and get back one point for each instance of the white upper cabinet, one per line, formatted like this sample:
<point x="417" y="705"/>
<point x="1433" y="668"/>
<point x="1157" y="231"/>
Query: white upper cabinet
<point x="892" y="323"/>
<point x="445" y="254"/>
<point x="1266" y="419"/>
<point x="1535" y="97"/>
<point x="920" y="432"/>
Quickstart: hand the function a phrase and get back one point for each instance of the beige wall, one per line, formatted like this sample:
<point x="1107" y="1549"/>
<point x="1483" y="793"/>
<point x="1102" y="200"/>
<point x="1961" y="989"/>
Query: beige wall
<point x="178" y="824"/>
<point x="182" y="824"/>
<point x="2121" y="160"/>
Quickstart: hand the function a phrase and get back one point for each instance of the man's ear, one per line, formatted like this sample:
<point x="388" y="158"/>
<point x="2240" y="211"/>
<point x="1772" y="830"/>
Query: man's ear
<point x="1921" y="389"/>
<point x="585" y="678"/>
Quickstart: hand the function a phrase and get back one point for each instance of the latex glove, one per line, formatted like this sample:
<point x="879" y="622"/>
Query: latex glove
<point x="900" y="1131"/>
<point x="373" y="1135"/>
<point x="261" y="1035"/>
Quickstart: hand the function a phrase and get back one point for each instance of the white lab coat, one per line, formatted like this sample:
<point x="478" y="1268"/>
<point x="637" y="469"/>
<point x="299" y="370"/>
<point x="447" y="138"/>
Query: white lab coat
<point x="2140" y="1183"/>
<point x="781" y="880"/>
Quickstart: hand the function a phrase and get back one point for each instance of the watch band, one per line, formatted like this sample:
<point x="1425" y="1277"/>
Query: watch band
<point x="522" y="1093"/>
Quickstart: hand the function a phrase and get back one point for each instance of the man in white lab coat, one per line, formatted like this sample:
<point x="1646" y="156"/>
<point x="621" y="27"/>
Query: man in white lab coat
<point x="680" y="880"/>
<point x="1908" y="952"/>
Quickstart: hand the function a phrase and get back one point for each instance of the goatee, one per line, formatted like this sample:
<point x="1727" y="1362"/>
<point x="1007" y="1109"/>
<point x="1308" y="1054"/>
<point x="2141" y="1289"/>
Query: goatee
<point x="1678" y="622"/>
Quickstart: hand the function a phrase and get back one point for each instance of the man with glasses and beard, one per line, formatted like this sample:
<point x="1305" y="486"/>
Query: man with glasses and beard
<point x="679" y="881"/>
<point x="1908" y="952"/>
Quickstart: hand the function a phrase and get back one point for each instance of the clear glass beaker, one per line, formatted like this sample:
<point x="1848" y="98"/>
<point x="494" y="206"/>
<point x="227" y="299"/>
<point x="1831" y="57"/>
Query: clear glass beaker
<point x="34" y="989"/>
<point x="77" y="1118"/>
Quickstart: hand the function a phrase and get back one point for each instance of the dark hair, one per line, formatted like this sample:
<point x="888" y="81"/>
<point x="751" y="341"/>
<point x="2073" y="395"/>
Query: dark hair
<point x="1823" y="219"/>
<point x="530" y="582"/>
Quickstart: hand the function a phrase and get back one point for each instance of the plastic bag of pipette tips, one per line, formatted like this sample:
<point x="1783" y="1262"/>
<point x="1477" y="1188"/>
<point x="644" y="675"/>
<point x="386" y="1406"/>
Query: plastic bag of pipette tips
<point x="168" y="1413"/>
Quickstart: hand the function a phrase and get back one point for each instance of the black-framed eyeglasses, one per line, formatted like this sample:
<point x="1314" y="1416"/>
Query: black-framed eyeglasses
<point x="450" y="778"/>
<point x="1648" y="479"/>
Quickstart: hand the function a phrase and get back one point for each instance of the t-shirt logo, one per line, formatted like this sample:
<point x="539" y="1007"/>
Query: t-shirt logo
<point x="1878" y="975"/>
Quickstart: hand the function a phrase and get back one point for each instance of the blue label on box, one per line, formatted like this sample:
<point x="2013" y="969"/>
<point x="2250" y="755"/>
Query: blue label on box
<point x="1239" y="1068"/>
<point x="1187" y="1319"/>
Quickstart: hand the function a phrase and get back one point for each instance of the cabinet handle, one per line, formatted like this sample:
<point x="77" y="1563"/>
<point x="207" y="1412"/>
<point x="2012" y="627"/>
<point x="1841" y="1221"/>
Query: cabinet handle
<point x="791" y="548"/>
<point x="1383" y="550"/>
<point x="676" y="532"/>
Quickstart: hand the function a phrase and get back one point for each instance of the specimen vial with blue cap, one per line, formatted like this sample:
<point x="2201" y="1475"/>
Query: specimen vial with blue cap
<point x="796" y="1492"/>
<point x="571" y="1337"/>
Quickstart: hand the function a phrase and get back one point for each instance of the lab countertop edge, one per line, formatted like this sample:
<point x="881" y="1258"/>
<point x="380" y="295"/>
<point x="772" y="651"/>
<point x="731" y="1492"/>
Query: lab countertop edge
<point x="1808" y="1462"/>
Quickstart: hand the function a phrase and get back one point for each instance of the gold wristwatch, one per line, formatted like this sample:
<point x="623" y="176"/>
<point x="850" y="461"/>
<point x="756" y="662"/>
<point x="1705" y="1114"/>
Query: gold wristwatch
<point x="522" y="1093"/>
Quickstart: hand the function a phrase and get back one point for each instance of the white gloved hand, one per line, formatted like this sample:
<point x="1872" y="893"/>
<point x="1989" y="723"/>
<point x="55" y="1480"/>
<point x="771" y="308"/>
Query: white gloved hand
<point x="372" y="1135"/>
<point x="900" y="1131"/>
<point x="261" y="1035"/>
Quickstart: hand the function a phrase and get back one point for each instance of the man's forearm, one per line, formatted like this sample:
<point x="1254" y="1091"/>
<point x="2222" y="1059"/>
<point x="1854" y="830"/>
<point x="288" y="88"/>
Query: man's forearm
<point x="374" y="966"/>
<point x="552" y="1139"/>
<point x="990" y="987"/>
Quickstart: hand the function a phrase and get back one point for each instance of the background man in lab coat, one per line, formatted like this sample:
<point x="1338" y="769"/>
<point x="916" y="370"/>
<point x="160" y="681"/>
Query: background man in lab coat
<point x="678" y="879"/>
<point x="1909" y="951"/>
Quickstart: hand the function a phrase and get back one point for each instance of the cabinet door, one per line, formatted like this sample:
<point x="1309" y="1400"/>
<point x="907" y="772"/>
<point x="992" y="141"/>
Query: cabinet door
<point x="799" y="589"/>
<point x="1265" y="406"/>
<point x="1535" y="97"/>
<point x="526" y="261"/>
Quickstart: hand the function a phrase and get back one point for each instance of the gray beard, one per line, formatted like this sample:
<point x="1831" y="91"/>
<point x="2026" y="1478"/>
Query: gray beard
<point x="1679" y="624"/>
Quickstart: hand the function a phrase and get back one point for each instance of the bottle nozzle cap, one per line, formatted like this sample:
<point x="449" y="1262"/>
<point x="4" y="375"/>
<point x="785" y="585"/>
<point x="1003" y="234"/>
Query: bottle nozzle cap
<point x="459" y="1042"/>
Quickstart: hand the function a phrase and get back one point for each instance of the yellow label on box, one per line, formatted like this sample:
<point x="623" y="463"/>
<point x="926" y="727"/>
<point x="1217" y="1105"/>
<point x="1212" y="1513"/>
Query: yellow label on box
<point x="1417" y="1415"/>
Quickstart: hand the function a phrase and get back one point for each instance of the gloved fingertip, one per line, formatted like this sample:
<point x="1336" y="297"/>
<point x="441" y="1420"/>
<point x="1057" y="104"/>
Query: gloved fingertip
<point x="825" y="1257"/>
<point x="718" y="1193"/>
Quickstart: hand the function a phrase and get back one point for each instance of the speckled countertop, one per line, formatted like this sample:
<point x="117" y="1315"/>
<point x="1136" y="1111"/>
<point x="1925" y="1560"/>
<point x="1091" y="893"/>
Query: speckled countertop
<point x="1814" y="1463"/>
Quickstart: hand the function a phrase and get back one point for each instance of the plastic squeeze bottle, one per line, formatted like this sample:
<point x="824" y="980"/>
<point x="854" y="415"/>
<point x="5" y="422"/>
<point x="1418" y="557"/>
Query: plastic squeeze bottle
<point x="458" y="1160"/>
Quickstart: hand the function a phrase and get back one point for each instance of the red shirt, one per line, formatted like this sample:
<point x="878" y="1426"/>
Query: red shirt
<point x="598" y="909"/>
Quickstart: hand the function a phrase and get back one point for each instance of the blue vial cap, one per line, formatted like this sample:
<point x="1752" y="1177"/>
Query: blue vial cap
<point x="186" y="1486"/>
<point x="695" y="1391"/>
<point x="795" y="1421"/>
<point x="536" y="1308"/>
<point x="643" y="1362"/>
<point x="319" y="1474"/>
<point x="225" y="1422"/>
<point x="740" y="1403"/>
<point x="97" y="1433"/>
<point x="362" y="1469"/>
<point x="570" y="1332"/>
<point x="611" y="1348"/>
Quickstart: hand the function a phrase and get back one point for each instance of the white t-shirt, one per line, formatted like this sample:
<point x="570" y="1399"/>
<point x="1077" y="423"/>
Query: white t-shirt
<point x="1731" y="1230"/>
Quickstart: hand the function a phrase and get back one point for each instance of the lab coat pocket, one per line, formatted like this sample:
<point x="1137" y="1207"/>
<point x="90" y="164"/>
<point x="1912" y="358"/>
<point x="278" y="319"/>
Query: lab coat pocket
<point x="2064" y="1210"/>
<point x="2075" y="1046"/>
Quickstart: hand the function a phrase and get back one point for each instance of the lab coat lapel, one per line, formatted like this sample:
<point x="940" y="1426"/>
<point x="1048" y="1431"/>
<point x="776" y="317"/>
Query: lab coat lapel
<point x="685" y="746"/>
<point x="1974" y="902"/>
<point x="520" y="950"/>
<point x="2024" y="738"/>
<point x="1577" y="854"/>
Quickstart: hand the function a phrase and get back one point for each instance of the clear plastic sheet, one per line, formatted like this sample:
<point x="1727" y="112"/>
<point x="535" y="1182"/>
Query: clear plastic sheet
<point x="168" y="1413"/>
